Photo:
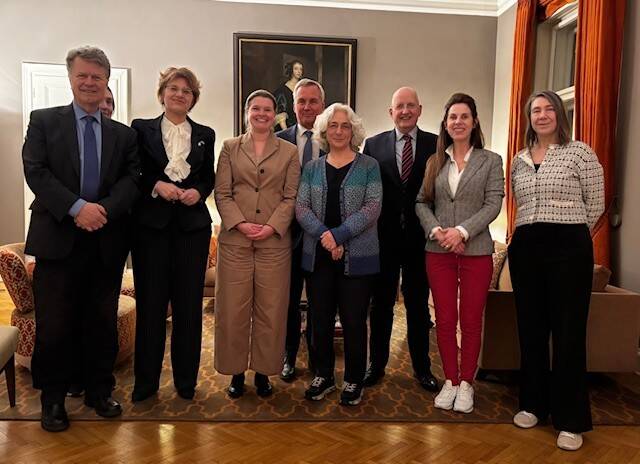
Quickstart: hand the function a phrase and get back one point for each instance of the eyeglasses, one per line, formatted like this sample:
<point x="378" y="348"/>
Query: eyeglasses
<point x="176" y="89"/>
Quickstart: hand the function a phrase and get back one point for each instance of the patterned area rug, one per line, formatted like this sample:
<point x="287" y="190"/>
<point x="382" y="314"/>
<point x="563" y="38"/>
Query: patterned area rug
<point x="615" y="398"/>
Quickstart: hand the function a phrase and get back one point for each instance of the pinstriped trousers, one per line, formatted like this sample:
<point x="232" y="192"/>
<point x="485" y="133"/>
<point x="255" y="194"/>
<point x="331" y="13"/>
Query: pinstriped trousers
<point x="252" y="296"/>
<point x="169" y="266"/>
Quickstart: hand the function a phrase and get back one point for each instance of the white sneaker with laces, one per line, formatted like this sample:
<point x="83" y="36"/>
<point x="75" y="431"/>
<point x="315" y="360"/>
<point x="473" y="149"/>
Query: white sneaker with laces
<point x="446" y="397"/>
<point x="525" y="420"/>
<point x="569" y="441"/>
<point x="464" y="399"/>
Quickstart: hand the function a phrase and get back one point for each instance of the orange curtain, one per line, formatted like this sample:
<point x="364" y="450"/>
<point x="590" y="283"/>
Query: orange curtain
<point x="598" y="61"/>
<point x="521" y="83"/>
<point x="548" y="7"/>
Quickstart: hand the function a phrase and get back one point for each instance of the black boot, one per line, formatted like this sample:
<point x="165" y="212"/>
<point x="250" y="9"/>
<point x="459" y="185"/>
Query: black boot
<point x="263" y="386"/>
<point x="236" y="387"/>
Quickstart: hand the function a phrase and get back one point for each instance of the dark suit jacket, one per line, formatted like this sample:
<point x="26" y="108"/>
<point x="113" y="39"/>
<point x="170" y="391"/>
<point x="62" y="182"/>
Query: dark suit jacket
<point x="51" y="160"/>
<point x="290" y="135"/>
<point x="157" y="212"/>
<point x="398" y="201"/>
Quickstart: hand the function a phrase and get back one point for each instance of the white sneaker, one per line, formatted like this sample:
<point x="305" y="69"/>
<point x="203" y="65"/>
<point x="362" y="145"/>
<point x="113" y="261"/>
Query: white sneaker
<point x="446" y="397"/>
<point x="464" y="399"/>
<point x="525" y="420"/>
<point x="569" y="441"/>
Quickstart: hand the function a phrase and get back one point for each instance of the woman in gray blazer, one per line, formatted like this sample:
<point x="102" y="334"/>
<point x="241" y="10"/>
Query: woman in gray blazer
<point x="460" y="196"/>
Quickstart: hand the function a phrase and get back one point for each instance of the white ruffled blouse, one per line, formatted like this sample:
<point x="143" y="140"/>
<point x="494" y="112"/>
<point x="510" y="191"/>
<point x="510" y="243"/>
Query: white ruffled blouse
<point x="177" y="144"/>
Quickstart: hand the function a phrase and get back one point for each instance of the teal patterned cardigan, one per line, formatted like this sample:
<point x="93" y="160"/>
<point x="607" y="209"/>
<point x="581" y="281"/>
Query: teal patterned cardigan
<point x="360" y="205"/>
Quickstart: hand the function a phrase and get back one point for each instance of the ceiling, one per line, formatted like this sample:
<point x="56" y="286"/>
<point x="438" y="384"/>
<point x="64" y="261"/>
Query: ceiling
<point x="462" y="7"/>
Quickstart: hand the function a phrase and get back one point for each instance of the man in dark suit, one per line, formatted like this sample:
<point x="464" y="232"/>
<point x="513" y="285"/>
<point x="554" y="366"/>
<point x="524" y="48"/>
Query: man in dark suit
<point x="308" y="103"/>
<point x="83" y="169"/>
<point x="402" y="154"/>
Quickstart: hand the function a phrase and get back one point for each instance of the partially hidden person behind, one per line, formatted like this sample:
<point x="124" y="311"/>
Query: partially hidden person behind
<point x="171" y="236"/>
<point x="338" y="206"/>
<point x="308" y="97"/>
<point x="255" y="192"/>
<point x="83" y="169"/>
<point x="558" y="187"/>
<point x="460" y="196"/>
<point x="108" y="104"/>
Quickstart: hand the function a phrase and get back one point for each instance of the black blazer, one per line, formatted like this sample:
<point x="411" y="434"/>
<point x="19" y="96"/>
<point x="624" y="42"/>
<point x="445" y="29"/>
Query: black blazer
<point x="51" y="160"/>
<point x="290" y="135"/>
<point x="157" y="212"/>
<point x="398" y="201"/>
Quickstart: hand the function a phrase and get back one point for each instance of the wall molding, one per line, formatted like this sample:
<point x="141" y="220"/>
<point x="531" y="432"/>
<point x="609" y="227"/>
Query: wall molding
<point x="492" y="8"/>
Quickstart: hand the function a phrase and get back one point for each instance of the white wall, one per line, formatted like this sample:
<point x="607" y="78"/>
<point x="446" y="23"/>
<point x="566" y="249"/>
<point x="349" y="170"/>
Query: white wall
<point x="501" y="101"/>
<point x="625" y="253"/>
<point x="438" y="54"/>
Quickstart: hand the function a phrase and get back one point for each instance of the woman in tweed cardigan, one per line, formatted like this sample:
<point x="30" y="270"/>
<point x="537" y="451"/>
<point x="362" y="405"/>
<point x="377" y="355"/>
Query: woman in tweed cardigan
<point x="558" y="187"/>
<point x="460" y="196"/>
<point x="338" y="205"/>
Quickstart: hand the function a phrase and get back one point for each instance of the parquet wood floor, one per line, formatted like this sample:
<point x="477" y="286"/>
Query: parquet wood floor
<point x="189" y="442"/>
<point x="24" y="442"/>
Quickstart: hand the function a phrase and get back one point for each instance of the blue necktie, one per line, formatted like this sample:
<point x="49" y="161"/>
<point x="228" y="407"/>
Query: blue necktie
<point x="91" y="174"/>
<point x="307" y="153"/>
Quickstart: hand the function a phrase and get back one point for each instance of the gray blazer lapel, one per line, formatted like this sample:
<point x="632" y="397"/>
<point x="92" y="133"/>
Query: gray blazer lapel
<point x="476" y="160"/>
<point x="443" y="179"/>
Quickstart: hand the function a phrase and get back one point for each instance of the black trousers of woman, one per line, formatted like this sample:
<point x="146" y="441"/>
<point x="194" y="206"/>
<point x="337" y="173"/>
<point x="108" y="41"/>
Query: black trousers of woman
<point x="551" y="270"/>
<point x="329" y="290"/>
<point x="169" y="266"/>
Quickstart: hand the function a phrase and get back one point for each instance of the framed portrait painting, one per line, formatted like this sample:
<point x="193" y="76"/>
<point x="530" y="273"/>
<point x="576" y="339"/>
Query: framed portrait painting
<point x="277" y="62"/>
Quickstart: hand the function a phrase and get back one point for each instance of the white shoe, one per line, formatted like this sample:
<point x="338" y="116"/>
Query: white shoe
<point x="446" y="397"/>
<point x="525" y="420"/>
<point x="464" y="399"/>
<point x="569" y="441"/>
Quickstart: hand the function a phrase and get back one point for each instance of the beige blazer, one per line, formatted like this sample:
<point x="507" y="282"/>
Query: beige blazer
<point x="259" y="191"/>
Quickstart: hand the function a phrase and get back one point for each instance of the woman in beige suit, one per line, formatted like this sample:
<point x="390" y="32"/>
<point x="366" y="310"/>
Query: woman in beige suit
<point x="255" y="191"/>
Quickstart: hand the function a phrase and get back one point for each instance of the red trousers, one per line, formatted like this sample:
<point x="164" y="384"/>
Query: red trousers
<point x="471" y="275"/>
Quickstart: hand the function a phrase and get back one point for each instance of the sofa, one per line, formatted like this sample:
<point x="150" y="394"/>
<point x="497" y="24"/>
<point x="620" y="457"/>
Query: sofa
<point x="613" y="328"/>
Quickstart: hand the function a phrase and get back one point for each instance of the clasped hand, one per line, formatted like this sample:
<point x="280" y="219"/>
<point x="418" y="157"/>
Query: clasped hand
<point x="172" y="193"/>
<point x="329" y="243"/>
<point x="91" y="217"/>
<point x="450" y="239"/>
<point x="255" y="231"/>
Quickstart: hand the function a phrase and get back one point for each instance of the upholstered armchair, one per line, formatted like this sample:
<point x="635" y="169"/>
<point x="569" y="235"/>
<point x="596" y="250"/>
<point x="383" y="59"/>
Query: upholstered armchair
<point x="17" y="275"/>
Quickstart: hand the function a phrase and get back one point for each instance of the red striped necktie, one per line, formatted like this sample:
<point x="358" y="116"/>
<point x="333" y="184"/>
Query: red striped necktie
<point x="407" y="159"/>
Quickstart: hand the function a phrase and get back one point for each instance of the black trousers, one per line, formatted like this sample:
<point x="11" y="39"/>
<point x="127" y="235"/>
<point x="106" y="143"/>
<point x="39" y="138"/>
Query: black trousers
<point x="169" y="266"/>
<point x="294" y="319"/>
<point x="76" y="300"/>
<point x="329" y="290"/>
<point x="409" y="258"/>
<point x="551" y="270"/>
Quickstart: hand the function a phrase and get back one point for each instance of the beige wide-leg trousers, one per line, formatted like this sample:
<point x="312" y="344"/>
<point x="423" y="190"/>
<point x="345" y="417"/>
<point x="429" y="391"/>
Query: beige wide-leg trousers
<point x="252" y="296"/>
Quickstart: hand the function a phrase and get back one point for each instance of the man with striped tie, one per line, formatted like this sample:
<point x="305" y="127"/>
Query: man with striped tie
<point x="402" y="154"/>
<point x="308" y="103"/>
<point x="83" y="169"/>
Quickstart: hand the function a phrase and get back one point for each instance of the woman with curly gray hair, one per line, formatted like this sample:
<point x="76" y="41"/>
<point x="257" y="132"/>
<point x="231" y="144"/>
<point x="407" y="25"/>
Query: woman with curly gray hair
<point x="338" y="205"/>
